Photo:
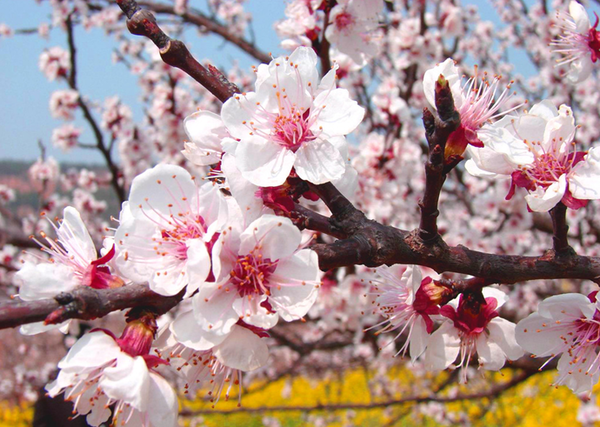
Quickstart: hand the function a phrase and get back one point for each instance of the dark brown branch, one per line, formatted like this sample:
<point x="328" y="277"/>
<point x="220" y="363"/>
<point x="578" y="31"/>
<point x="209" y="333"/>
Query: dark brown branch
<point x="142" y="22"/>
<point x="84" y="303"/>
<point x="560" y="229"/>
<point x="306" y="219"/>
<point x="493" y="391"/>
<point x="437" y="131"/>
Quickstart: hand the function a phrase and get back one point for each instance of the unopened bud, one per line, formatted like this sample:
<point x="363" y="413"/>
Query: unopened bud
<point x="432" y="293"/>
<point x="137" y="338"/>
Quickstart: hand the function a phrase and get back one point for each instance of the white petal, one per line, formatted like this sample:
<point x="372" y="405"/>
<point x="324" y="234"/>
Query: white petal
<point x="188" y="332"/>
<point x="443" y="347"/>
<point x="46" y="280"/>
<point x="319" y="162"/>
<point x="160" y="192"/>
<point x="502" y="332"/>
<point x="580" y="16"/>
<point x="584" y="180"/>
<point x="542" y="200"/>
<point x="566" y="307"/>
<point x="90" y="351"/>
<point x="337" y="113"/>
<point x="491" y="292"/>
<point x="197" y="266"/>
<point x="537" y="339"/>
<point x="255" y="314"/>
<point x="264" y="163"/>
<point x="213" y="308"/>
<point x="490" y="354"/>
<point x="163" y="409"/>
<point x="80" y="238"/>
<point x="450" y="72"/>
<point x="237" y="110"/>
<point x="293" y="290"/>
<point x="243" y="350"/>
<point x="277" y="237"/>
<point x="418" y="339"/>
<point x="127" y="381"/>
<point x="39" y="327"/>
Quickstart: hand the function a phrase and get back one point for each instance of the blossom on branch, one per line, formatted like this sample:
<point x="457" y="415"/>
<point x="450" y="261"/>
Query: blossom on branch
<point x="167" y="230"/>
<point x="537" y="150"/>
<point x="74" y="262"/>
<point x="579" y="42"/>
<point x="99" y="372"/>
<point x="292" y="124"/>
<point x="261" y="274"/>
<point x="406" y="306"/>
<point x="475" y="101"/>
<point x="473" y="326"/>
<point x="567" y="325"/>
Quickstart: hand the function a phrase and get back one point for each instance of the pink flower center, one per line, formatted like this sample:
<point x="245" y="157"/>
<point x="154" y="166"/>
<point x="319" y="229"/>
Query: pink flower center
<point x="251" y="273"/>
<point x="344" y="20"/>
<point x="292" y="129"/>
<point x="172" y="241"/>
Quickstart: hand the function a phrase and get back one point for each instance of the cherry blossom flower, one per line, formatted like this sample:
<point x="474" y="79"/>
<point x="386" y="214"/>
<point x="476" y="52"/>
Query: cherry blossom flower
<point x="207" y="358"/>
<point x="475" y="101"/>
<point x="579" y="42"/>
<point x="261" y="274"/>
<point x="351" y="24"/>
<point x="43" y="175"/>
<point x="74" y="262"/>
<point x="291" y="121"/>
<point x="55" y="62"/>
<point x="168" y="228"/>
<point x="537" y="151"/>
<point x="66" y="136"/>
<point x="473" y="327"/>
<point x="567" y="325"/>
<point x="116" y="116"/>
<point x="99" y="371"/>
<point x="396" y="299"/>
<point x="63" y="104"/>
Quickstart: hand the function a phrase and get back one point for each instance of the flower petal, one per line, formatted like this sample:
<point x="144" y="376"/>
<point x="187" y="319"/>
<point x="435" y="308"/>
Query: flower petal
<point x="243" y="350"/>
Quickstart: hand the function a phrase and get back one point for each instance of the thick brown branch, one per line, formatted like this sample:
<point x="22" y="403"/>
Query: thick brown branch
<point x="84" y="303"/>
<point x="142" y="22"/>
<point x="305" y="219"/>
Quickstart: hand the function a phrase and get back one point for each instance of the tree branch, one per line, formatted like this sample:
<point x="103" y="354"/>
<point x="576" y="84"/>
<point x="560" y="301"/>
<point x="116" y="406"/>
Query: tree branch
<point x="84" y="303"/>
<point x="141" y="22"/>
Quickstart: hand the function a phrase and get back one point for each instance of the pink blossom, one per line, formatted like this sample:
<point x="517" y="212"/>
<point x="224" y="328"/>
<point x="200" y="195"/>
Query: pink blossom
<point x="167" y="230"/>
<point x="579" y="42"/>
<point x="63" y="104"/>
<point x="395" y="299"/>
<point x="74" y="262"/>
<point x="98" y="372"/>
<point x="66" y="137"/>
<point x="537" y="150"/>
<point x="475" y="101"/>
<point x="291" y="121"/>
<point x="43" y="175"/>
<point x="473" y="327"/>
<point x="567" y="325"/>
<point x="261" y="274"/>
<point x="55" y="62"/>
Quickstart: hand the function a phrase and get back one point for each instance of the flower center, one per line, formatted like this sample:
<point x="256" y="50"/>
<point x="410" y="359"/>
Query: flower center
<point x="251" y="273"/>
<point x="291" y="130"/>
<point x="175" y="238"/>
<point x="344" y="20"/>
<point x="546" y="170"/>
